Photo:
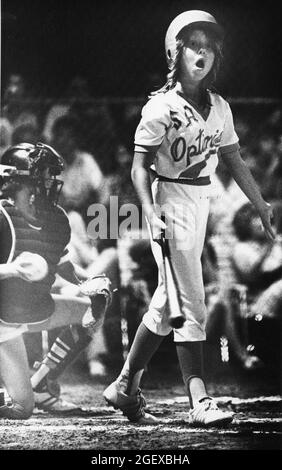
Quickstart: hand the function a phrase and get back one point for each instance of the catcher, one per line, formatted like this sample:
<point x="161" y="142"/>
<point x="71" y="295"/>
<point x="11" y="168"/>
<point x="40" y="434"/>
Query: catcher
<point x="34" y="233"/>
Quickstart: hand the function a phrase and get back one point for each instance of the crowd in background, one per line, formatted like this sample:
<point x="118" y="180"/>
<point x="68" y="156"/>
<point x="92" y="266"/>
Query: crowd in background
<point x="242" y="270"/>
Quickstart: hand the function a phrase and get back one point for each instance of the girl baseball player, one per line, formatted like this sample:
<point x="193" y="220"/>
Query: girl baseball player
<point x="184" y="128"/>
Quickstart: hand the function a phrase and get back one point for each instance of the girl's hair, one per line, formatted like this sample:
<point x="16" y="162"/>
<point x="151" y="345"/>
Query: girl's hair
<point x="181" y="40"/>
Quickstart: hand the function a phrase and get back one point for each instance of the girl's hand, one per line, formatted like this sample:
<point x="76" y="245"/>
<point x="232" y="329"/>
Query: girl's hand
<point x="157" y="226"/>
<point x="266" y="216"/>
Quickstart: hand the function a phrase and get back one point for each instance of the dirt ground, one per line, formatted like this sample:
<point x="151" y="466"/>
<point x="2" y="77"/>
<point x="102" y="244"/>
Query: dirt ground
<point x="256" y="401"/>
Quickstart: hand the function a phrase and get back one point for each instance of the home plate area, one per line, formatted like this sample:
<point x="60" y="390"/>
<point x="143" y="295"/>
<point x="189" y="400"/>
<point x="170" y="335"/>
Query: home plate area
<point x="257" y="425"/>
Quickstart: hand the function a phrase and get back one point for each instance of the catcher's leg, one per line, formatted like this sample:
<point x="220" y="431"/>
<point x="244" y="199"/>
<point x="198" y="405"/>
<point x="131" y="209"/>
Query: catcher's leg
<point x="68" y="311"/>
<point x="14" y="372"/>
<point x="69" y="344"/>
<point x="72" y="311"/>
<point x="88" y="312"/>
<point x="65" y="349"/>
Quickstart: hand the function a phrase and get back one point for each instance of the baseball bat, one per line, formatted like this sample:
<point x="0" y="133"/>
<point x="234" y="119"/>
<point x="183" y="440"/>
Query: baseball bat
<point x="176" y="315"/>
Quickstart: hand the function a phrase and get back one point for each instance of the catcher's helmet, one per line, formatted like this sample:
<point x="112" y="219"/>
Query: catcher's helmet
<point x="185" y="19"/>
<point x="37" y="164"/>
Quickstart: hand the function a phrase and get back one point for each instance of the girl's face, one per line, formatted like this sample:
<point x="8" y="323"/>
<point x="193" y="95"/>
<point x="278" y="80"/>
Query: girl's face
<point x="197" y="56"/>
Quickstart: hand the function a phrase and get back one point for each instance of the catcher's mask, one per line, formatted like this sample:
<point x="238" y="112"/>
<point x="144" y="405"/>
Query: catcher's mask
<point x="37" y="165"/>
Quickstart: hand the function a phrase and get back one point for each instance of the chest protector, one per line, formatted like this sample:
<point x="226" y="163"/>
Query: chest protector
<point x="30" y="302"/>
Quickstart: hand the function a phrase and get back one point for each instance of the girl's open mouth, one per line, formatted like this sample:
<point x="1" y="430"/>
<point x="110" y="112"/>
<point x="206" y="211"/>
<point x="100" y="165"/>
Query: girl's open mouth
<point x="200" y="63"/>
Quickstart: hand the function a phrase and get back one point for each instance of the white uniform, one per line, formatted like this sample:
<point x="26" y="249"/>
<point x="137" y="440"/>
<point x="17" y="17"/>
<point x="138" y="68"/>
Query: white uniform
<point x="188" y="147"/>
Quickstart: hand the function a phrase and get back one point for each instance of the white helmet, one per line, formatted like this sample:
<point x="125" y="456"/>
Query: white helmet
<point x="184" y="19"/>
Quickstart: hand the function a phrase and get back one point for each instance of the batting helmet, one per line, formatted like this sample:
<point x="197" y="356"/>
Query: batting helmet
<point x="185" y="19"/>
<point x="27" y="162"/>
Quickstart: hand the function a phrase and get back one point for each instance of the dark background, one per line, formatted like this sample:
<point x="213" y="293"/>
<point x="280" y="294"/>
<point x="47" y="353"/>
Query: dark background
<point x="118" y="44"/>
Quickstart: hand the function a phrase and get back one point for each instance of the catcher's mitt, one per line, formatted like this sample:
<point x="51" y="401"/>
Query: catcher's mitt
<point x="99" y="290"/>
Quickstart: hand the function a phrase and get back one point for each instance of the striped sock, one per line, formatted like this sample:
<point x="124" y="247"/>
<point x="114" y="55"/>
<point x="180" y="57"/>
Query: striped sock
<point x="58" y="351"/>
<point x="64" y="350"/>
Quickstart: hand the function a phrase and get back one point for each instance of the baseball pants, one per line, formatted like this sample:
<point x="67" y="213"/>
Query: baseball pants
<point x="186" y="210"/>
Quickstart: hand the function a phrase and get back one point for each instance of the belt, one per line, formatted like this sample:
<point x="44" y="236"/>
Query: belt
<point x="201" y="181"/>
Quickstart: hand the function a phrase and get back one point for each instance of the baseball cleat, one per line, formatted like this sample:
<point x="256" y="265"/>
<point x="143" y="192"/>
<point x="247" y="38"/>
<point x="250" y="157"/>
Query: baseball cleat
<point x="207" y="413"/>
<point x="133" y="407"/>
<point x="60" y="406"/>
<point x="47" y="398"/>
<point x="46" y="393"/>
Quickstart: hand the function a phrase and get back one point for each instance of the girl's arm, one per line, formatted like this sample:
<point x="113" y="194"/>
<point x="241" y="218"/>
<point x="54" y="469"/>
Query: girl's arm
<point x="246" y="182"/>
<point x="140" y="174"/>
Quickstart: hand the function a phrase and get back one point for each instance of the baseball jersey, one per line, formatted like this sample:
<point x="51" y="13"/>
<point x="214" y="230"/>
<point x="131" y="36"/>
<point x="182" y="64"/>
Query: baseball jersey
<point x="187" y="142"/>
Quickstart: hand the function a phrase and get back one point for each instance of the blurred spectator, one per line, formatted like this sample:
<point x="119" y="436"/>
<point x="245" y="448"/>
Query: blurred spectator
<point x="82" y="176"/>
<point x="272" y="186"/>
<point x="139" y="274"/>
<point x="274" y="120"/>
<point x="17" y="104"/>
<point x="219" y="276"/>
<point x="130" y="119"/>
<point x="142" y="284"/>
<point x="257" y="261"/>
<point x="118" y="181"/>
<point x="277" y="214"/>
<point x="81" y="249"/>
<point x="96" y="122"/>
<point x="258" y="264"/>
<point x="77" y="94"/>
<point x="226" y="314"/>
<point x="227" y="198"/>
<point x="25" y="133"/>
<point x="262" y="156"/>
<point x="99" y="134"/>
<point x="6" y="131"/>
<point x="243" y="130"/>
